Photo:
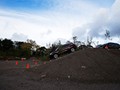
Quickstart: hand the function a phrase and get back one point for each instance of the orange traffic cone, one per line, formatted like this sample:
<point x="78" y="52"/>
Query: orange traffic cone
<point x="106" y="47"/>
<point x="27" y="66"/>
<point x="16" y="62"/>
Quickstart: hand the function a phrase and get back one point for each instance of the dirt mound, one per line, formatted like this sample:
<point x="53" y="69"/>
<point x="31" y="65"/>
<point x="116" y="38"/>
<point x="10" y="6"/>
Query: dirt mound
<point x="84" y="65"/>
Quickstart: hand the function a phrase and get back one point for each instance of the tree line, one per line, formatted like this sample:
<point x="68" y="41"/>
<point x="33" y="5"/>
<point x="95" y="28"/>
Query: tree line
<point x="16" y="49"/>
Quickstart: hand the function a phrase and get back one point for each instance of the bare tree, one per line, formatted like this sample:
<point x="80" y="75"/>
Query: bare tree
<point x="89" y="40"/>
<point x="74" y="39"/>
<point x="78" y="43"/>
<point x="59" y="42"/>
<point x="107" y="35"/>
<point x="68" y="42"/>
<point x="48" y="45"/>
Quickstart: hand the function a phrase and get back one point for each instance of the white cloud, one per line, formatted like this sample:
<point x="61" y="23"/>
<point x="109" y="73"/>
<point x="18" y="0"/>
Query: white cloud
<point x="104" y="19"/>
<point x="49" y="26"/>
<point x="36" y="27"/>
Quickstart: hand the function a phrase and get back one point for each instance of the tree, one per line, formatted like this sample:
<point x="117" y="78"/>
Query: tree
<point x="89" y="40"/>
<point x="107" y="35"/>
<point x="41" y="51"/>
<point x="78" y="43"/>
<point x="74" y="39"/>
<point x="18" y="44"/>
<point x="34" y="46"/>
<point x="68" y="42"/>
<point x="7" y="44"/>
<point x="26" y="46"/>
<point x="48" y="45"/>
<point x="59" y="43"/>
<point x="26" y="49"/>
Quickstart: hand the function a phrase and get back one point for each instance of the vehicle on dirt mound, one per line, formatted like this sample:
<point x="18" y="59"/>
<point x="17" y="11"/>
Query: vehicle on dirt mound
<point x="62" y="49"/>
<point x="110" y="45"/>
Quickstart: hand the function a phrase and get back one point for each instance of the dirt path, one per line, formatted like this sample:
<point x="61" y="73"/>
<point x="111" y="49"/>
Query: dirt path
<point x="82" y="70"/>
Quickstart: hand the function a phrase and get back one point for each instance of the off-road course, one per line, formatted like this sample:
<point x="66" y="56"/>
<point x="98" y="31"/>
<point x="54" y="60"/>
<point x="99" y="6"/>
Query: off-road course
<point x="89" y="69"/>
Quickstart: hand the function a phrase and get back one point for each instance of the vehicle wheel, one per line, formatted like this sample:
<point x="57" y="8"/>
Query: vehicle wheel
<point x="72" y="50"/>
<point x="55" y="56"/>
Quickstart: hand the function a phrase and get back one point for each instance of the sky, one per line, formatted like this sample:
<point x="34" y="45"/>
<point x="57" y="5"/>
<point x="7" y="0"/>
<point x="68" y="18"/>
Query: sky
<point x="48" y="21"/>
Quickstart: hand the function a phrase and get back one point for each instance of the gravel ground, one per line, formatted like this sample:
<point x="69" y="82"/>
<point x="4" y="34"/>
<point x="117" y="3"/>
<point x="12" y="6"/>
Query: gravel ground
<point x="90" y="69"/>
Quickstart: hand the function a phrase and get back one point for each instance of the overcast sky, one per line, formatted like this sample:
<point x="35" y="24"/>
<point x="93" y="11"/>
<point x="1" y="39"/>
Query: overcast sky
<point x="47" y="21"/>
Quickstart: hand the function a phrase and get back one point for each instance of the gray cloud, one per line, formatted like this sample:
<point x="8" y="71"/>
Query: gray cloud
<point x="80" y="32"/>
<point x="48" y="32"/>
<point x="19" y="37"/>
<point x="105" y="19"/>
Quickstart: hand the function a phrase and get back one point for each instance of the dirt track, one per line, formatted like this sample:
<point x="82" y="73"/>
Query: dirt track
<point x="90" y="69"/>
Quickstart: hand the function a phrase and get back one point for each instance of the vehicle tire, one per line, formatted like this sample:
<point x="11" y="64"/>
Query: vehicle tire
<point x="72" y="50"/>
<point x="55" y="56"/>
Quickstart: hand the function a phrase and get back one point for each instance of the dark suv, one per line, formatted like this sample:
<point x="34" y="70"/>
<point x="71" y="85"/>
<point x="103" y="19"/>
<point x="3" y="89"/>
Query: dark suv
<point x="111" y="45"/>
<point x="59" y="50"/>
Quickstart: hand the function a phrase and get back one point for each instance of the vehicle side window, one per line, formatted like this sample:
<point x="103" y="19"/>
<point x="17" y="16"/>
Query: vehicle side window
<point x="111" y="45"/>
<point x="116" y="45"/>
